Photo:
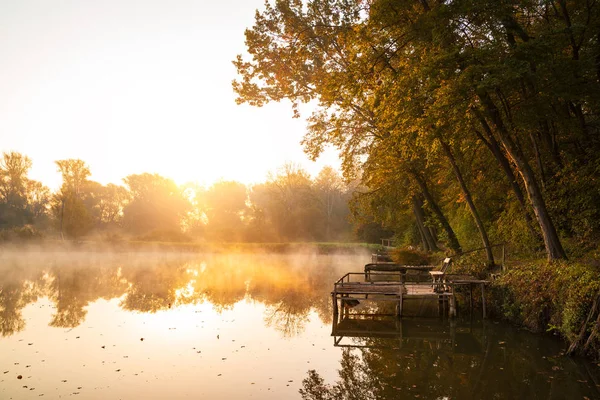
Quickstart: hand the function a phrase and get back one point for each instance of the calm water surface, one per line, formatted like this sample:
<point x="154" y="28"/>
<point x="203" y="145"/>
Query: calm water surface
<point x="165" y="326"/>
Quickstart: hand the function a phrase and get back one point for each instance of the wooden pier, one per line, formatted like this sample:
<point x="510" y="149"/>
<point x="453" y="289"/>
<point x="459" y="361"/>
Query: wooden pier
<point x="354" y="288"/>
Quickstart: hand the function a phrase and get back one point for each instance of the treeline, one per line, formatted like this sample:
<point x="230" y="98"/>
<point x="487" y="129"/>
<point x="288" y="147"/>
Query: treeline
<point x="471" y="122"/>
<point x="289" y="206"/>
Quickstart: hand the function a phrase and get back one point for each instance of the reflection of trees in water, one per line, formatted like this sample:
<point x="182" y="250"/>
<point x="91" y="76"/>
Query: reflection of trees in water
<point x="290" y="314"/>
<point x="18" y="287"/>
<point x="456" y="367"/>
<point x="12" y="301"/>
<point x="355" y="382"/>
<point x="289" y="286"/>
<point x="72" y="288"/>
<point x="155" y="288"/>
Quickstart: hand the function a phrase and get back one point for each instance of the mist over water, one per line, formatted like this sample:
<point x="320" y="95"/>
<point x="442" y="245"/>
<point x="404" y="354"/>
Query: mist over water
<point x="101" y="323"/>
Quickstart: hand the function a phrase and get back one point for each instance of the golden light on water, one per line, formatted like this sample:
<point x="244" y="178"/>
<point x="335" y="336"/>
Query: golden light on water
<point x="156" y="325"/>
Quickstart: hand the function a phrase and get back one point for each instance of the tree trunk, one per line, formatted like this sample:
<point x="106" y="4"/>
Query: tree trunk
<point x="494" y="147"/>
<point x="428" y="240"/>
<point x="452" y="239"/>
<point x="538" y="159"/>
<point x="554" y="249"/>
<point x="469" y="199"/>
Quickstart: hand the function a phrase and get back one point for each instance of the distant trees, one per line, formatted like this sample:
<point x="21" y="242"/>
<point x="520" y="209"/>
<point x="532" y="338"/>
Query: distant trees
<point x="22" y="200"/>
<point x="227" y="211"/>
<point x="292" y="207"/>
<point x="157" y="205"/>
<point x="68" y="208"/>
<point x="288" y="206"/>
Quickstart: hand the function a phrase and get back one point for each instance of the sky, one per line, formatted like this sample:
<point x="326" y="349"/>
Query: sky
<point x="133" y="86"/>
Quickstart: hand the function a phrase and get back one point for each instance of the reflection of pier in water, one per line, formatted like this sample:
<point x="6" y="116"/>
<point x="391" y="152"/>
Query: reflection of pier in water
<point x="407" y="333"/>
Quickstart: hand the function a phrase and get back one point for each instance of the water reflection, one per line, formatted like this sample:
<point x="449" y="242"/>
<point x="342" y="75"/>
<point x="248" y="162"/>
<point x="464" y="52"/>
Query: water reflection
<point x="389" y="358"/>
<point x="290" y="286"/>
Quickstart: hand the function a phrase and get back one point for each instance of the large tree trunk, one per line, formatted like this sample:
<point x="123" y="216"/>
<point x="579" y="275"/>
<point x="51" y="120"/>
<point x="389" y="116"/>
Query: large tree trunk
<point x="494" y="147"/>
<point x="469" y="199"/>
<point x="429" y="243"/>
<point x="554" y="248"/>
<point x="452" y="239"/>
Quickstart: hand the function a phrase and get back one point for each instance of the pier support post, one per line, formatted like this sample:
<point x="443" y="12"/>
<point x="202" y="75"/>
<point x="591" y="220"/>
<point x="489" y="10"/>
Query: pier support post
<point x="399" y="305"/>
<point x="335" y="305"/>
<point x="483" y="299"/>
<point x="470" y="299"/>
<point x="452" y="301"/>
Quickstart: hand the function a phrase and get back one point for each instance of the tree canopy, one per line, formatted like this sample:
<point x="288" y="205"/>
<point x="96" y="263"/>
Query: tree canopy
<point x="487" y="109"/>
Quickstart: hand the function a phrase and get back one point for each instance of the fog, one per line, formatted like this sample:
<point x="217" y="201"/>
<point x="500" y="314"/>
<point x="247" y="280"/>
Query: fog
<point x="72" y="277"/>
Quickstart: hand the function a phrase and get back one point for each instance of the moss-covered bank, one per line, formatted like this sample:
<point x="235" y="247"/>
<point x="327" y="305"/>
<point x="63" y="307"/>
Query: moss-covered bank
<point x="560" y="297"/>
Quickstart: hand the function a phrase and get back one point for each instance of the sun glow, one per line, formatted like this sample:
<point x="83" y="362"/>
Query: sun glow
<point x="132" y="91"/>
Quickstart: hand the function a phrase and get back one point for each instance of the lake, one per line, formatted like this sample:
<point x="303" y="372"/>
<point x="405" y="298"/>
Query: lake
<point x="151" y="325"/>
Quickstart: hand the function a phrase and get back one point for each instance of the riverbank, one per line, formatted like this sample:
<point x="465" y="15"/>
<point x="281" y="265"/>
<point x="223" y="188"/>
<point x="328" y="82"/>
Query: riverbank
<point x="561" y="298"/>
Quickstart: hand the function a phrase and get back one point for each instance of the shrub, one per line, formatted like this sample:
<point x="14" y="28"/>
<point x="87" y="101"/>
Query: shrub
<point x="409" y="257"/>
<point x="549" y="296"/>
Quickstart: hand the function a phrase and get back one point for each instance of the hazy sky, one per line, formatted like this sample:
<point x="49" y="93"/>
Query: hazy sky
<point x="133" y="86"/>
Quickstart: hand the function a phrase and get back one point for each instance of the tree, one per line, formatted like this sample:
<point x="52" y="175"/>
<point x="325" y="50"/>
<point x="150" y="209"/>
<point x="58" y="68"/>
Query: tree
<point x="157" y="205"/>
<point x="333" y="198"/>
<point x="14" y="168"/>
<point x="289" y="204"/>
<point x="68" y="208"/>
<point x="226" y="209"/>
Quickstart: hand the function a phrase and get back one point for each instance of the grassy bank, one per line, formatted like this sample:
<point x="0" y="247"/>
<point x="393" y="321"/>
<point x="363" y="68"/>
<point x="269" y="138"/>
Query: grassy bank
<point x="561" y="298"/>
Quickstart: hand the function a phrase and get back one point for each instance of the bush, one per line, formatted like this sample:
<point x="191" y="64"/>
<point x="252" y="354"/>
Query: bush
<point x="409" y="257"/>
<point x="20" y="233"/>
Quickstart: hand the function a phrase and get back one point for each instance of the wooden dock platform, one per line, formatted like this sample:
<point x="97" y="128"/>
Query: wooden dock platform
<point x="377" y="287"/>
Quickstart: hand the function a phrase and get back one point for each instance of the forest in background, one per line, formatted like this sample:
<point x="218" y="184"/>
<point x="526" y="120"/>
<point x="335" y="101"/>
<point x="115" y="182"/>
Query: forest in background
<point x="289" y="206"/>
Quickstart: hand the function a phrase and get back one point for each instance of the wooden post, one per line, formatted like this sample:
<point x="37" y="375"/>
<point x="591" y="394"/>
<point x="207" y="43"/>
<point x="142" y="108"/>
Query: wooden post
<point x="399" y="305"/>
<point x="483" y="298"/>
<point x="335" y="305"/>
<point x="470" y="298"/>
<point x="400" y="300"/>
<point x="452" y="302"/>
